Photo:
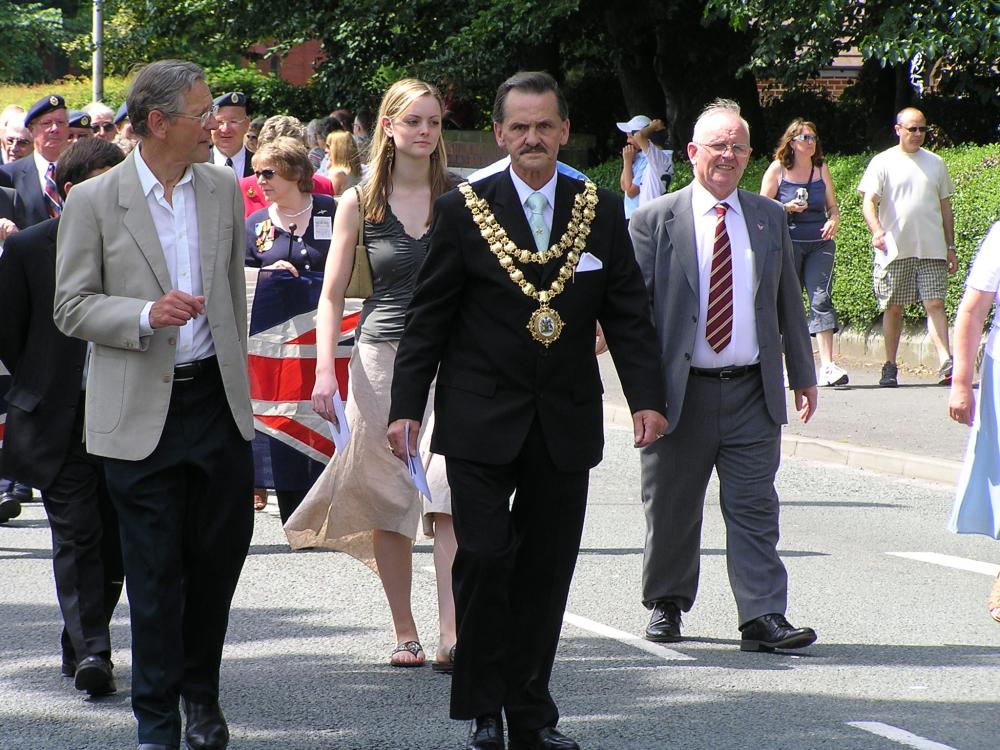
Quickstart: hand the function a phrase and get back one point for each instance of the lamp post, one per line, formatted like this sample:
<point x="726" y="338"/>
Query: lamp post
<point x="98" y="60"/>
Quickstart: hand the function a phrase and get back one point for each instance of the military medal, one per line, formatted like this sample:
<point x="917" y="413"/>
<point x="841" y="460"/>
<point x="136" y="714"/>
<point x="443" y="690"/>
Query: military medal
<point x="265" y="236"/>
<point x="545" y="324"/>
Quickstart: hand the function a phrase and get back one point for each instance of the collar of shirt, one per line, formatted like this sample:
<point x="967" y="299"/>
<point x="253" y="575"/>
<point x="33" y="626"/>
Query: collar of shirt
<point x="703" y="202"/>
<point x="219" y="158"/>
<point x="148" y="180"/>
<point x="41" y="166"/>
<point x="548" y="190"/>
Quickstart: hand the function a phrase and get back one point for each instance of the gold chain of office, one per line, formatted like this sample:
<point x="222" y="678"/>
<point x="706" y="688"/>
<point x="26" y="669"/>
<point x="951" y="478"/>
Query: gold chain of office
<point x="545" y="324"/>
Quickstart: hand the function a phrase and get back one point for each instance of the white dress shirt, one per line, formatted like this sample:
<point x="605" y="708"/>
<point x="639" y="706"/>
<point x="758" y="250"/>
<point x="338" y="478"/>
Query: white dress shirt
<point x="239" y="161"/>
<point x="524" y="191"/>
<point x="41" y="166"/>
<point x="177" y="229"/>
<point x="743" y="347"/>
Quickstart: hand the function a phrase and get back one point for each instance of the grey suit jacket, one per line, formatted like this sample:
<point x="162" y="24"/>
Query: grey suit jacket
<point x="663" y="234"/>
<point x="109" y="264"/>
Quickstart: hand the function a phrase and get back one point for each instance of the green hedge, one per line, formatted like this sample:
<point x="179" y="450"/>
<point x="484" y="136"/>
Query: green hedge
<point x="975" y="170"/>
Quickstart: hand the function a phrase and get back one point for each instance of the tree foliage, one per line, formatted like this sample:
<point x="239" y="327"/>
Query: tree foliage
<point x="957" y="40"/>
<point x="28" y="31"/>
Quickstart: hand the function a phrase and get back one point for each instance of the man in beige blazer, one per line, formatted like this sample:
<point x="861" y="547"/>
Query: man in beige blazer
<point x="149" y="270"/>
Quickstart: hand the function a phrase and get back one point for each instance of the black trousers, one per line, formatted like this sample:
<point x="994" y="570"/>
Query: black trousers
<point x="511" y="578"/>
<point x="86" y="550"/>
<point x="186" y="522"/>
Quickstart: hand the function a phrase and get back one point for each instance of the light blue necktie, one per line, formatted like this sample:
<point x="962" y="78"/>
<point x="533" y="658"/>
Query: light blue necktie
<point x="536" y="204"/>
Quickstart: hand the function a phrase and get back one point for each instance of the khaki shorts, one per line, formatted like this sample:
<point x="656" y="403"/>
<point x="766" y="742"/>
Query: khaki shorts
<point x="907" y="281"/>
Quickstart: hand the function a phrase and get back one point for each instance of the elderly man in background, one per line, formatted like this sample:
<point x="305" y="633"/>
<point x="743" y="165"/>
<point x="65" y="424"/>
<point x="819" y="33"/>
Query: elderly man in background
<point x="907" y="207"/>
<point x="227" y="139"/>
<point x="149" y="269"/>
<point x="102" y="120"/>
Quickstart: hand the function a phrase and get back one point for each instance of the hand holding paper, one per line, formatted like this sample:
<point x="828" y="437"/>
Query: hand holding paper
<point x="415" y="465"/>
<point x="339" y="429"/>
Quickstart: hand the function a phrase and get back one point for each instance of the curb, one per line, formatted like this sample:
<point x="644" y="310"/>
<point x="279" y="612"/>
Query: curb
<point x="879" y="460"/>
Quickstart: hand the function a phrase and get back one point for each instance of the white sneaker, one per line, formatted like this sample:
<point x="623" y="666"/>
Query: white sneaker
<point x="831" y="374"/>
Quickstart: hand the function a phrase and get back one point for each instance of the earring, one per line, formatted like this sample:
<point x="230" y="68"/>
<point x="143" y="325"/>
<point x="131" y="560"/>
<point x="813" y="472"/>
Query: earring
<point x="390" y="149"/>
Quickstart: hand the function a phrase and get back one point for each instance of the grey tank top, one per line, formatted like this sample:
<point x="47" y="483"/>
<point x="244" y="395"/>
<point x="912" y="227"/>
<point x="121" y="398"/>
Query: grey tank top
<point x="395" y="258"/>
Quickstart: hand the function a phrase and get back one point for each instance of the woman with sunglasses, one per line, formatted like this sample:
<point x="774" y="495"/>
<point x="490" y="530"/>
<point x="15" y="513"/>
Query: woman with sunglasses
<point x="799" y="179"/>
<point x="291" y="234"/>
<point x="365" y="503"/>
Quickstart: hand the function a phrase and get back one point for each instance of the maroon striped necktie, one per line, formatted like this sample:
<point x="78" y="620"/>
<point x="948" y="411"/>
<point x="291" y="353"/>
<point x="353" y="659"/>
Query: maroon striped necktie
<point x="719" y="320"/>
<point x="53" y="202"/>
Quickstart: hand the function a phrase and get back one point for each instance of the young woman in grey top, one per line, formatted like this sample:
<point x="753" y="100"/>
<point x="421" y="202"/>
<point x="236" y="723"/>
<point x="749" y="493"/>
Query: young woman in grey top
<point x="364" y="503"/>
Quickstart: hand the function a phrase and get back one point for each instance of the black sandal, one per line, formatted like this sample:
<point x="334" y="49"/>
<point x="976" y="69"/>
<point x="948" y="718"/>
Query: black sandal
<point x="445" y="667"/>
<point x="414" y="648"/>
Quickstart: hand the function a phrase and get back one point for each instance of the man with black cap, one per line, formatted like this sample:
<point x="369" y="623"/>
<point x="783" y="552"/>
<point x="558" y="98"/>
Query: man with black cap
<point x="229" y="150"/>
<point x="34" y="179"/>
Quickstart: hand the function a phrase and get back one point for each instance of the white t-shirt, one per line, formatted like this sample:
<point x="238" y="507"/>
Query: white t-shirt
<point x="910" y="188"/>
<point x="985" y="277"/>
<point x="658" y="163"/>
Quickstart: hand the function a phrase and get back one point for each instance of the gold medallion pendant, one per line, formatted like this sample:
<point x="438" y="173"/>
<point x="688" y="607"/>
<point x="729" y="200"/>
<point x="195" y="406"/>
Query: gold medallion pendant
<point x="545" y="325"/>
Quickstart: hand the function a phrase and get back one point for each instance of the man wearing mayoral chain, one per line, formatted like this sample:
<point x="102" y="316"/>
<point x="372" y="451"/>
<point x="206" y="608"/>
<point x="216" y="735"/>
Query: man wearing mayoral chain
<point x="522" y="265"/>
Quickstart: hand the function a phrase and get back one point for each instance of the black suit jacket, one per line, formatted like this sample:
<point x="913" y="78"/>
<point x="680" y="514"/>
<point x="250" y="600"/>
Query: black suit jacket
<point x="11" y="206"/>
<point x="47" y="366"/>
<point x="494" y="379"/>
<point x="24" y="179"/>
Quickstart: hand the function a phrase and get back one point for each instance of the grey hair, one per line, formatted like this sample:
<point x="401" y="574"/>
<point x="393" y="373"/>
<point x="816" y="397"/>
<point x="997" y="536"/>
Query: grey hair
<point x="717" y="107"/>
<point x="162" y="85"/>
<point x="279" y="125"/>
<point x="97" y="109"/>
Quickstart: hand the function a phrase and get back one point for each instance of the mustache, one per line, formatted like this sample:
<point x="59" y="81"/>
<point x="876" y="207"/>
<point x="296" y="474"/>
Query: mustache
<point x="533" y="150"/>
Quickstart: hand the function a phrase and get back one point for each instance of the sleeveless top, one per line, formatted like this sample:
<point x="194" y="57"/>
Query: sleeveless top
<point x="395" y="258"/>
<point x="808" y="225"/>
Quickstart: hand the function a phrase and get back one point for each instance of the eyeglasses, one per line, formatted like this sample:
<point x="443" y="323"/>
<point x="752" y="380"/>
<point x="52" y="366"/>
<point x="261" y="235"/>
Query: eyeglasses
<point x="267" y="174"/>
<point x="230" y="123"/>
<point x="105" y="127"/>
<point x="22" y="142"/>
<point x="915" y="128"/>
<point x="719" y="148"/>
<point x="202" y="119"/>
<point x="807" y="137"/>
<point x="49" y="124"/>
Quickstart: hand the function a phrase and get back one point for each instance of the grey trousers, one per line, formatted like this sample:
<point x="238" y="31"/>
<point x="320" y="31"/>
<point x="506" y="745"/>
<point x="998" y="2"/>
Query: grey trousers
<point x="724" y="425"/>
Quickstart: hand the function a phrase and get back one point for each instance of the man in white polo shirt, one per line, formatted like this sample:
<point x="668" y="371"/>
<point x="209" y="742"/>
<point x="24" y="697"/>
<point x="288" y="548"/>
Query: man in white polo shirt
<point x="906" y="205"/>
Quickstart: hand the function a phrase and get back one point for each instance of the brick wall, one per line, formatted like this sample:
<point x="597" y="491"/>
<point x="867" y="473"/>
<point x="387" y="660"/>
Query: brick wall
<point x="834" y="85"/>
<point x="296" y="67"/>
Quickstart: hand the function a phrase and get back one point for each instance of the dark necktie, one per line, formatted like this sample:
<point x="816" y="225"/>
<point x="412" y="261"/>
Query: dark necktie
<point x="719" y="322"/>
<point x="52" y="200"/>
<point x="229" y="162"/>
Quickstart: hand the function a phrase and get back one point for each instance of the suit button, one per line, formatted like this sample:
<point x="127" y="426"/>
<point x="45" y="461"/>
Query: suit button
<point x="687" y="357"/>
<point x="172" y="340"/>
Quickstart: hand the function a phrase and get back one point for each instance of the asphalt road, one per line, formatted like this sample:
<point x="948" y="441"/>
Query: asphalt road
<point x="905" y="644"/>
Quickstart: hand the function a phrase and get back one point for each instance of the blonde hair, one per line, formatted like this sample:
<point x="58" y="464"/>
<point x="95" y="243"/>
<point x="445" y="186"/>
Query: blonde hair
<point x="343" y="152"/>
<point x="289" y="158"/>
<point x="281" y="125"/>
<point x="381" y="150"/>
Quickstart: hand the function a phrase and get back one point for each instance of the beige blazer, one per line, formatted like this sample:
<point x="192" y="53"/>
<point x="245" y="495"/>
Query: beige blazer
<point x="109" y="264"/>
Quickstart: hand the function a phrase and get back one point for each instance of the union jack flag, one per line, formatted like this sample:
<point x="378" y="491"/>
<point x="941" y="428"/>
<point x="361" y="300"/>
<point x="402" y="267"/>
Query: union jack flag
<point x="292" y="444"/>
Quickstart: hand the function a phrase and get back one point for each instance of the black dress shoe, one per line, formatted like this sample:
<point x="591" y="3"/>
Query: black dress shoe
<point x="486" y="733"/>
<point x="147" y="746"/>
<point x="10" y="507"/>
<point x="546" y="738"/>
<point x="769" y="632"/>
<point x="94" y="675"/>
<point x="206" y="726"/>
<point x="665" y="623"/>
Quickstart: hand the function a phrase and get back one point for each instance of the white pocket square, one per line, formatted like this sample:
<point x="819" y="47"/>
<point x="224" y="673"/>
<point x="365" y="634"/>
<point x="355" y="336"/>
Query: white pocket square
<point x="588" y="262"/>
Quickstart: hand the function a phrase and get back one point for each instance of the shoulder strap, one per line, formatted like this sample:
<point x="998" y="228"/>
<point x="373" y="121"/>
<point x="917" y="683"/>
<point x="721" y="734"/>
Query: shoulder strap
<point x="361" y="219"/>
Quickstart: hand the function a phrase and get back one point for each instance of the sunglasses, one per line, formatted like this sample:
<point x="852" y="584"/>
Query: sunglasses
<point x="807" y="137"/>
<point x="105" y="127"/>
<point x="22" y="142"/>
<point x="267" y="174"/>
<point x="915" y="128"/>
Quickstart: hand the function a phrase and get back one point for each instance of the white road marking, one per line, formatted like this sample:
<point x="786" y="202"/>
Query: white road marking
<point x="899" y="735"/>
<point x="950" y="561"/>
<point x="627" y="638"/>
<point x="621" y="636"/>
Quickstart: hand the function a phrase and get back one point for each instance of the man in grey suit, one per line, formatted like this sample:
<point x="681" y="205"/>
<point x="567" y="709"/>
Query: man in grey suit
<point x="149" y="269"/>
<point x="717" y="262"/>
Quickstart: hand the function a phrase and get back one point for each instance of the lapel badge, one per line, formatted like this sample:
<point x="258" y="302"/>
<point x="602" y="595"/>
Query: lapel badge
<point x="251" y="193"/>
<point x="760" y="227"/>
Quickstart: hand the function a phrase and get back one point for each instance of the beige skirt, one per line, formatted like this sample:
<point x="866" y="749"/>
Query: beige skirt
<point x="366" y="487"/>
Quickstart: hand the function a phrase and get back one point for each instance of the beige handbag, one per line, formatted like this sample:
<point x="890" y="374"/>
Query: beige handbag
<point x="360" y="285"/>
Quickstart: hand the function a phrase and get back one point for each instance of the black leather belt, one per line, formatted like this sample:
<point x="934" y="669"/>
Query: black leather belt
<point x="725" y="373"/>
<point x="197" y="369"/>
